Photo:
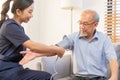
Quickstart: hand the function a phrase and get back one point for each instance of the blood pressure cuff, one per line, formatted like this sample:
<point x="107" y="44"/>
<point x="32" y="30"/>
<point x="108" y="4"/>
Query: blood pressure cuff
<point x="65" y="43"/>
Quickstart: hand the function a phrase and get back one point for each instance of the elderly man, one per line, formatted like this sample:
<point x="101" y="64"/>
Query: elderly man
<point x="92" y="50"/>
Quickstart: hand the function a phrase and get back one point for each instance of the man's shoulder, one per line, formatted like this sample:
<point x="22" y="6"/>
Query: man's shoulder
<point x="102" y="36"/>
<point x="99" y="33"/>
<point x="74" y="34"/>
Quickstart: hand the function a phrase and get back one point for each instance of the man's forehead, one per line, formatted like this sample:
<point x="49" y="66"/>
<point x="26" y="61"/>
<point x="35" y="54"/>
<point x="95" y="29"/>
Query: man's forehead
<point x="86" y="19"/>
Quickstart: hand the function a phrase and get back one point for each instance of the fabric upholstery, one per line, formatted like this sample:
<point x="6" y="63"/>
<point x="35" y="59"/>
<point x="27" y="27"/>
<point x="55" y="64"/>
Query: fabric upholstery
<point x="62" y="66"/>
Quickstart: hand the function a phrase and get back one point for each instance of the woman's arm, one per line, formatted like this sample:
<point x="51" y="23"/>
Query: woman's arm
<point x="42" y="48"/>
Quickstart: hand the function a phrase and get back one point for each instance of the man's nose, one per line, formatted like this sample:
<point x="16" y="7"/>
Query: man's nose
<point x="81" y="26"/>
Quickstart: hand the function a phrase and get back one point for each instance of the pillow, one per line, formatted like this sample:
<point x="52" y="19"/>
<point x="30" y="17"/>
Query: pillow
<point x="61" y="65"/>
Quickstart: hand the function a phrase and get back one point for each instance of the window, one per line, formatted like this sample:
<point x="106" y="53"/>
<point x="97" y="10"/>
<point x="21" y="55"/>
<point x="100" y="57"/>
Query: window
<point x="112" y="19"/>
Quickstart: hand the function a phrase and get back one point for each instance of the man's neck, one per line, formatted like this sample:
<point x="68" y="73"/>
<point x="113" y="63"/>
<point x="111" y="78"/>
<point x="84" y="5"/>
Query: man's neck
<point x="89" y="37"/>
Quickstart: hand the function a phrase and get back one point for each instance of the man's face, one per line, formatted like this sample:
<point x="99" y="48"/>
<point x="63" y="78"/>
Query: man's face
<point x="87" y="25"/>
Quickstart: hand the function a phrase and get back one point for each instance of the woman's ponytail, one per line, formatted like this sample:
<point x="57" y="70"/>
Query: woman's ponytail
<point x="5" y="9"/>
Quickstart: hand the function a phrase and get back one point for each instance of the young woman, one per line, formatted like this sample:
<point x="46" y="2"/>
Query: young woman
<point x="13" y="40"/>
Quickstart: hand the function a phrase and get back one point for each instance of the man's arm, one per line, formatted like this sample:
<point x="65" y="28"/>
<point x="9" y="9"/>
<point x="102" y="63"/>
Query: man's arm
<point x="65" y="43"/>
<point x="114" y="69"/>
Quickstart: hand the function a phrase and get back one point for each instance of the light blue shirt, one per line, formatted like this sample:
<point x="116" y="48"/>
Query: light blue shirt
<point x="90" y="58"/>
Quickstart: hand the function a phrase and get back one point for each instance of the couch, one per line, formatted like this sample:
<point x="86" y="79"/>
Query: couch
<point x="62" y="68"/>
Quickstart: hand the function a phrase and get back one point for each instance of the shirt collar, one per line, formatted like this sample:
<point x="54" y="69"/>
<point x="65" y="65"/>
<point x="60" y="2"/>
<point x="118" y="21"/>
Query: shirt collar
<point x="94" y="37"/>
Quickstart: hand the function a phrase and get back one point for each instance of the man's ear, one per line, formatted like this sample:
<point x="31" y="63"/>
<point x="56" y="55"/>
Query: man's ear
<point x="96" y="24"/>
<point x="18" y="12"/>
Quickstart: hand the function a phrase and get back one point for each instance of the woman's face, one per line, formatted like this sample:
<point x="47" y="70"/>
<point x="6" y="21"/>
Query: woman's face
<point x="26" y="14"/>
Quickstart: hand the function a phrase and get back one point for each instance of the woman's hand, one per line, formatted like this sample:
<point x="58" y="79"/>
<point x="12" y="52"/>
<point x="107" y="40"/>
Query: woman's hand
<point x="60" y="51"/>
<point x="29" y="55"/>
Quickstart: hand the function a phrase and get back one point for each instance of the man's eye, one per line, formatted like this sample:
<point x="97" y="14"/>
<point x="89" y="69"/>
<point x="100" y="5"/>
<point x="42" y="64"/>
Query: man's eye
<point x="85" y="23"/>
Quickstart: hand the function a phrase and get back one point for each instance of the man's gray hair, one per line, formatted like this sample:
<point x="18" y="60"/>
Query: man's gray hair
<point x="96" y="15"/>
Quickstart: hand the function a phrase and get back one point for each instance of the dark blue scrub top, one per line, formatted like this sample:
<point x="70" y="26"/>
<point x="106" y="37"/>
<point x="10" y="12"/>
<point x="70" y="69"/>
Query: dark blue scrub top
<point x="12" y="36"/>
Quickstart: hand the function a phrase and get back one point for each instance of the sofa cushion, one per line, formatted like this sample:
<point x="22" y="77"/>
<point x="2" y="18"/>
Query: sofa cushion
<point x="65" y="78"/>
<point x="62" y="66"/>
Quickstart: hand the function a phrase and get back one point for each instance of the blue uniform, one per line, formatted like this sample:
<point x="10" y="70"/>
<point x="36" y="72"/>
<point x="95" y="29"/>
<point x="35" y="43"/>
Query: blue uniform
<point x="12" y="36"/>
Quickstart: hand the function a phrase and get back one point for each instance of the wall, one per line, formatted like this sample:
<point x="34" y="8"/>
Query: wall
<point x="1" y="2"/>
<point x="50" y="22"/>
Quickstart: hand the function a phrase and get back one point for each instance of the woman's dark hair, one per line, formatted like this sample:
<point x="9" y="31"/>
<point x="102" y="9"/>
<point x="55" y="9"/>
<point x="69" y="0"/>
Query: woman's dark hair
<point x="17" y="4"/>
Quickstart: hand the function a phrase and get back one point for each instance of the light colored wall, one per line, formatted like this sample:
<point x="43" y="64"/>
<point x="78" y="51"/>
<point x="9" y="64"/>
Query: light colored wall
<point x="50" y="22"/>
<point x="1" y="2"/>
